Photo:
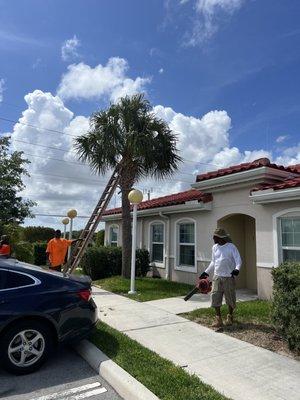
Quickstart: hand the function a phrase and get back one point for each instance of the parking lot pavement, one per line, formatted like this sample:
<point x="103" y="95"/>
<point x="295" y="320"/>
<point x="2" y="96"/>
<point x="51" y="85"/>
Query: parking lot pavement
<point x="65" y="376"/>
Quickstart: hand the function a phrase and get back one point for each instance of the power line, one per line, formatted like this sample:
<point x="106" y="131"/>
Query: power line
<point x="69" y="134"/>
<point x="37" y="127"/>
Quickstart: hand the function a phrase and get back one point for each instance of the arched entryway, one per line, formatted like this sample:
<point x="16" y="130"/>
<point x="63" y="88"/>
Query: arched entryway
<point x="241" y="229"/>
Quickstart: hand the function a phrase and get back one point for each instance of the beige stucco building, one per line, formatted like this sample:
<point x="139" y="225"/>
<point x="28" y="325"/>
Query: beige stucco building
<point x="257" y="203"/>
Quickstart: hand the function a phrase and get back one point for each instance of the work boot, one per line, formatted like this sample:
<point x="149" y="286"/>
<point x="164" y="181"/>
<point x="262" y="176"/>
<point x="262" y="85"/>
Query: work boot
<point x="218" y="323"/>
<point x="229" y="320"/>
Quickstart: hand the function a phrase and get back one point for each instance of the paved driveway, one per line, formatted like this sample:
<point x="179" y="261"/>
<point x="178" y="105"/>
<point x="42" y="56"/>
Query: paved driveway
<point x="65" y="376"/>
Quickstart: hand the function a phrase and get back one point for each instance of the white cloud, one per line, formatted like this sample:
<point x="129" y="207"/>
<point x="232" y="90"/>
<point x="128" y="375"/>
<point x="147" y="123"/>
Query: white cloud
<point x="2" y="88"/>
<point x="109" y="81"/>
<point x="208" y="14"/>
<point x="69" y="49"/>
<point x="54" y="194"/>
<point x="281" y="139"/>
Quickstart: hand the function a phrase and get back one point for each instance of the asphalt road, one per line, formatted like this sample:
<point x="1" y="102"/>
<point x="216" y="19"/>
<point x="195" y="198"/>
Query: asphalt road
<point x="66" y="376"/>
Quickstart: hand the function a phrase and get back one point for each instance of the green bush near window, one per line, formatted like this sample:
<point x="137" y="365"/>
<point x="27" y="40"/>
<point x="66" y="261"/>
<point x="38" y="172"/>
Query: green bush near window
<point x="23" y="251"/>
<point x="39" y="253"/>
<point x="142" y="264"/>
<point x="103" y="262"/>
<point x="286" y="302"/>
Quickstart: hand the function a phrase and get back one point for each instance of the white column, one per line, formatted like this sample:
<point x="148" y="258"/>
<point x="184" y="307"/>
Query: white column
<point x="133" y="251"/>
<point x="70" y="237"/>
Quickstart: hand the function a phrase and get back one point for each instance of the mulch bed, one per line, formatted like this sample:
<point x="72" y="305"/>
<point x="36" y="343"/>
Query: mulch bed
<point x="261" y="335"/>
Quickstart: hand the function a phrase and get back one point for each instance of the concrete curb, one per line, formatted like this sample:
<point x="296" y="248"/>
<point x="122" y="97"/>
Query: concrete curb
<point x="123" y="383"/>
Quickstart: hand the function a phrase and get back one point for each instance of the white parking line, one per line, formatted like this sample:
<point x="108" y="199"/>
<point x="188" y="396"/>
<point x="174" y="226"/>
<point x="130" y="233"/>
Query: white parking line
<point x="73" y="391"/>
<point x="84" y="395"/>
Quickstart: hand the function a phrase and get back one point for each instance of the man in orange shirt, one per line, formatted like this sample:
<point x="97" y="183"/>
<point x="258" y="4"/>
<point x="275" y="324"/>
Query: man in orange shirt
<point x="4" y="246"/>
<point x="56" y="251"/>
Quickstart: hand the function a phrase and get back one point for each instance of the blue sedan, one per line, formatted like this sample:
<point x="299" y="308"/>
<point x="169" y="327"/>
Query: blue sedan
<point x="38" y="310"/>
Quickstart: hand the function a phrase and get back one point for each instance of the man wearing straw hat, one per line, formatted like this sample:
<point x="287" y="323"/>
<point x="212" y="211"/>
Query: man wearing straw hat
<point x="225" y="265"/>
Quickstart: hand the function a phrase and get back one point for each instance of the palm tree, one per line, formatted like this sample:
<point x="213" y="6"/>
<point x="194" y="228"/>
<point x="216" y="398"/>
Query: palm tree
<point x="129" y="131"/>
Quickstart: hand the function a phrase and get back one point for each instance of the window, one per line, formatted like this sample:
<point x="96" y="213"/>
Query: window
<point x="186" y="244"/>
<point x="290" y="238"/>
<point x="113" y="236"/>
<point x="15" y="280"/>
<point x="157" y="243"/>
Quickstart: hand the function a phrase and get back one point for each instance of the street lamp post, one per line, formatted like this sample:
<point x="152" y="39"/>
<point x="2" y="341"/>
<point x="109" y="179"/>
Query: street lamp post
<point x="71" y="214"/>
<point x="65" y="222"/>
<point x="135" y="197"/>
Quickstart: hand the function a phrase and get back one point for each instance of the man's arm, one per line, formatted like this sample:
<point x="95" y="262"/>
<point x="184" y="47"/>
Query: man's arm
<point x="210" y="268"/>
<point x="237" y="261"/>
<point x="72" y="241"/>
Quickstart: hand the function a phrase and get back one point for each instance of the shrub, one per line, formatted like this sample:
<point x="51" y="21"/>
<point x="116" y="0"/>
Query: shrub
<point x="142" y="264"/>
<point x="286" y="302"/>
<point x="23" y="252"/>
<point x="100" y="238"/>
<point x="103" y="262"/>
<point x="39" y="253"/>
<point x="38" y="233"/>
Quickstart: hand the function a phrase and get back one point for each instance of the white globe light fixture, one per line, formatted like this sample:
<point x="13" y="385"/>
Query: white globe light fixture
<point x="72" y="213"/>
<point x="65" y="222"/>
<point x="135" y="197"/>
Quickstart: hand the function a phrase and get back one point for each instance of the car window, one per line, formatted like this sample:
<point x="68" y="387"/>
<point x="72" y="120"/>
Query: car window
<point x="3" y="275"/>
<point x="15" y="280"/>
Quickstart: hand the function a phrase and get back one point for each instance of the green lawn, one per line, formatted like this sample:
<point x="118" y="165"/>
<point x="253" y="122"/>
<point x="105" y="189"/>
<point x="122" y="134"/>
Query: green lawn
<point x="159" y="375"/>
<point x="147" y="288"/>
<point x="255" y="312"/>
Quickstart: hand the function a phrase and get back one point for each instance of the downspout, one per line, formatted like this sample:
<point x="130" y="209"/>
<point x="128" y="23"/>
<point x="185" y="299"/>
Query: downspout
<point x="167" y="253"/>
<point x="141" y="233"/>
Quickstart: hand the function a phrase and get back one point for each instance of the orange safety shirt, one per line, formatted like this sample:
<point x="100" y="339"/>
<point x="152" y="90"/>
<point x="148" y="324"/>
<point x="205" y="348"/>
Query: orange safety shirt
<point x="57" y="249"/>
<point x="5" y="250"/>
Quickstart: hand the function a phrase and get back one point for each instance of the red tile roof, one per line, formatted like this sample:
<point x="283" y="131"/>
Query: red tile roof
<point x="170" y="200"/>
<point x="295" y="168"/>
<point x="261" y="162"/>
<point x="287" y="184"/>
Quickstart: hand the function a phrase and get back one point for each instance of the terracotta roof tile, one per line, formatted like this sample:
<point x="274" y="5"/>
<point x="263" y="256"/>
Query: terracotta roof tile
<point x="170" y="200"/>
<point x="261" y="162"/>
<point x="295" y="168"/>
<point x="287" y="184"/>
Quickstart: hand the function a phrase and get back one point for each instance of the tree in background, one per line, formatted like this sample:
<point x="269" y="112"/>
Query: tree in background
<point x="38" y="234"/>
<point x="13" y="208"/>
<point x="131" y="132"/>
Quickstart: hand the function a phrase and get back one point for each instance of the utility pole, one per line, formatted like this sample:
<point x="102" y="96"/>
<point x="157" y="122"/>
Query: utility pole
<point x="148" y="192"/>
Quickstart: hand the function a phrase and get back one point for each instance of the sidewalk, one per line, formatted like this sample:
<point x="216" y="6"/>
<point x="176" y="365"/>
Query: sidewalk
<point x="235" y="368"/>
<point x="176" y="305"/>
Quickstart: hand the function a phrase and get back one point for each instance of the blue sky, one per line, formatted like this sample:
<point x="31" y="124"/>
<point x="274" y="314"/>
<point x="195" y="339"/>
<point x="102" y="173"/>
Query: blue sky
<point x="197" y="57"/>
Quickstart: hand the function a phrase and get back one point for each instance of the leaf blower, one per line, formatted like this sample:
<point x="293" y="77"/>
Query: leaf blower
<point x="202" y="286"/>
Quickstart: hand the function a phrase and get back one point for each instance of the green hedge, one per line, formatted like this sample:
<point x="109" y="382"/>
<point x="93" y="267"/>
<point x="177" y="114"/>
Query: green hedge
<point x="37" y="233"/>
<point x="23" y="251"/>
<point x="103" y="262"/>
<point x="39" y="253"/>
<point x="286" y="302"/>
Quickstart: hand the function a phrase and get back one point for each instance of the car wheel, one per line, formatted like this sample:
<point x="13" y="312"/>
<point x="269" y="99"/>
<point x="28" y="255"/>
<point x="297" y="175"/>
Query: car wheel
<point x="25" y="346"/>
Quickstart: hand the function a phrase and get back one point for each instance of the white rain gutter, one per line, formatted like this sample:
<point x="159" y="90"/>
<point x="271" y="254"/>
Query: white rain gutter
<point x="167" y="252"/>
<point x="273" y="196"/>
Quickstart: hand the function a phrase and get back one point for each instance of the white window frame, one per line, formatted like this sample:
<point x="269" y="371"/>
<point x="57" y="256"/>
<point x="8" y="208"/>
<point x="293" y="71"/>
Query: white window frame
<point x="109" y="234"/>
<point x="150" y="243"/>
<point x="179" y="267"/>
<point x="277" y="236"/>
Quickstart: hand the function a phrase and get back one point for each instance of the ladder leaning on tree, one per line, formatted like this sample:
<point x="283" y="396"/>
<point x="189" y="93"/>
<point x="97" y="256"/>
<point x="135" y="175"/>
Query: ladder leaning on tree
<point x="90" y="228"/>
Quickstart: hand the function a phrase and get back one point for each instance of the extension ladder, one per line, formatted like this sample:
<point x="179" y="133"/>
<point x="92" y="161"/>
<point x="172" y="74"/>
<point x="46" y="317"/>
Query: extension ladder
<point x="90" y="228"/>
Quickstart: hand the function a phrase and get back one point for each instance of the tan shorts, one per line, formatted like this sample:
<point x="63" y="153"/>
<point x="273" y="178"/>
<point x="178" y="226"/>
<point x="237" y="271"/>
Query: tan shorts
<point x="223" y="285"/>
